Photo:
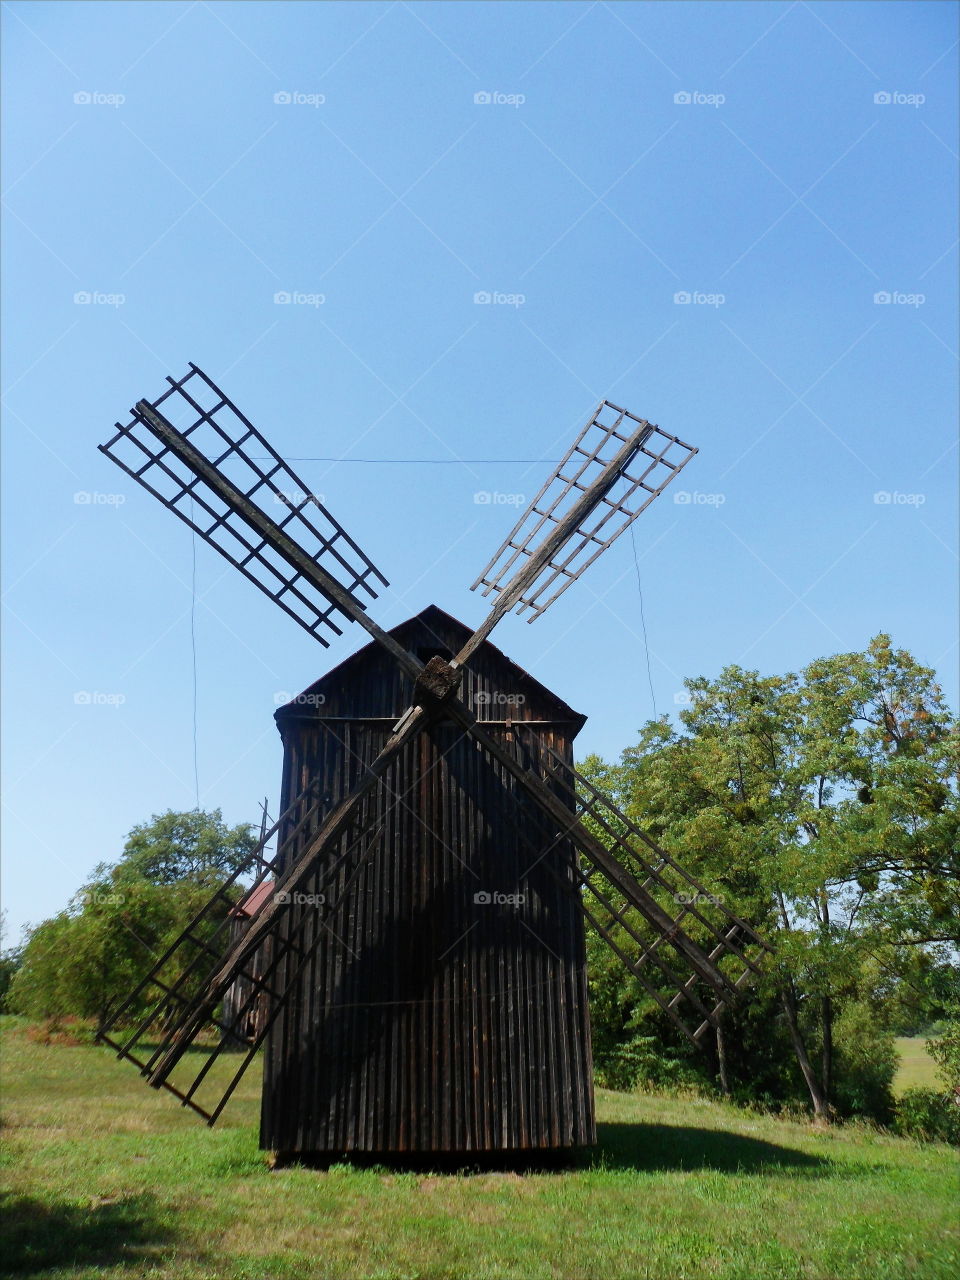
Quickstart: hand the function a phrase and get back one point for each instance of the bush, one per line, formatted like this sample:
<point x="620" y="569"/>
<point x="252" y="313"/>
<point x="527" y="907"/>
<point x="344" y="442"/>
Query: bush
<point x="929" y="1115"/>
<point x="865" y="1062"/>
<point x="641" y="1061"/>
<point x="944" y="1047"/>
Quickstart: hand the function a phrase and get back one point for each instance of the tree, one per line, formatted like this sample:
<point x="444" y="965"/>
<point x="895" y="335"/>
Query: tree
<point x="87" y="959"/>
<point x="10" y="960"/>
<point x="824" y="807"/>
<point x="192" y="845"/>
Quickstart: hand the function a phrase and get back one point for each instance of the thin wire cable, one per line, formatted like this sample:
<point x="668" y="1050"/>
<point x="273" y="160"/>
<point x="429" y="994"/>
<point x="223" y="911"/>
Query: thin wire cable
<point x="431" y="462"/>
<point x="193" y="652"/>
<point x="643" y="622"/>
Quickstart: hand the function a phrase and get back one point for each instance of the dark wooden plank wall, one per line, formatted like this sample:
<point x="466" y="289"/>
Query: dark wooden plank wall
<point x="427" y="1021"/>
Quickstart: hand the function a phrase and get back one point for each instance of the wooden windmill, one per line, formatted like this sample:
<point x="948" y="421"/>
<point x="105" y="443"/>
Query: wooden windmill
<point x="410" y="953"/>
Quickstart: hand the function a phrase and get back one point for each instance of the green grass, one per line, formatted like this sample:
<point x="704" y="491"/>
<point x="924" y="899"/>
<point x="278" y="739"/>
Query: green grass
<point x="916" y="1070"/>
<point x="108" y="1178"/>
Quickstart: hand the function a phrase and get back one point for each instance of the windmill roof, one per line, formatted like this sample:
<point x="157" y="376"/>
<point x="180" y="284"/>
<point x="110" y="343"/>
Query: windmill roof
<point x="445" y="626"/>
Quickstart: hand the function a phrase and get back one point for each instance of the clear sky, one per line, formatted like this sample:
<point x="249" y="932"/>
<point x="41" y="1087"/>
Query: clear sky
<point x="781" y="165"/>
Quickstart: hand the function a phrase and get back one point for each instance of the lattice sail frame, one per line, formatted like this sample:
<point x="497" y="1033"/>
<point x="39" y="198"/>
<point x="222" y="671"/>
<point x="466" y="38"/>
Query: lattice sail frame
<point x="209" y="421"/>
<point x="624" y="929"/>
<point x="634" y="453"/>
<point x="265" y="980"/>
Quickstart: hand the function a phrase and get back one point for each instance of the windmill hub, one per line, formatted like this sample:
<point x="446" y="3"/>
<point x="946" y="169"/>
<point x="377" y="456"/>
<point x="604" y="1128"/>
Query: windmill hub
<point x="437" y="683"/>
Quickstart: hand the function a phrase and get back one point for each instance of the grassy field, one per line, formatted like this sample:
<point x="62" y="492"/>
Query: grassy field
<point x="105" y="1177"/>
<point x="917" y="1070"/>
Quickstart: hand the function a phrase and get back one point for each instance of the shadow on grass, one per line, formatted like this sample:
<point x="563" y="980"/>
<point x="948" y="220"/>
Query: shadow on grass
<point x="638" y="1147"/>
<point x="660" y="1147"/>
<point x="36" y="1236"/>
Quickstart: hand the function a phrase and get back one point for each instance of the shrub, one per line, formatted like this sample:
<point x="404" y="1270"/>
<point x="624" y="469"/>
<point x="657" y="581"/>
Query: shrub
<point x="865" y="1062"/>
<point x="929" y="1115"/>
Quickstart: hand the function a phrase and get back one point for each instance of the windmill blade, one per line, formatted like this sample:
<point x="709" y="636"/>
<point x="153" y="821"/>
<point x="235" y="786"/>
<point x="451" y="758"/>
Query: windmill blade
<point x="615" y="468"/>
<point x="202" y="458"/>
<point x="264" y="979"/>
<point x="729" y="940"/>
<point x="185" y="965"/>
<point x="300" y="863"/>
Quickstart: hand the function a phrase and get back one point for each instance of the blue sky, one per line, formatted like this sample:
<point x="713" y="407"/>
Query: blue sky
<point x="779" y="164"/>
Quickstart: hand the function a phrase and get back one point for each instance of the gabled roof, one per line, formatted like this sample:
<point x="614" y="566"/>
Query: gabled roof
<point x="446" y="628"/>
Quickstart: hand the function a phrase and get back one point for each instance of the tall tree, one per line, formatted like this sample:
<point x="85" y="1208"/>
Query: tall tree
<point x="86" y="959"/>
<point x="824" y="807"/>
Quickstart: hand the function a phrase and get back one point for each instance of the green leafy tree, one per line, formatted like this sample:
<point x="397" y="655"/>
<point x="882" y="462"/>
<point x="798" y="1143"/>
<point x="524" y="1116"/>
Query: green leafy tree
<point x="824" y="808"/>
<point x="10" y="960"/>
<point x="84" y="961"/>
<point x="193" y="845"/>
<point x="945" y="1050"/>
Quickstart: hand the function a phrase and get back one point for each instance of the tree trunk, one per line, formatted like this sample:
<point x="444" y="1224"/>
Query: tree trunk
<point x="826" y="1057"/>
<point x="821" y="1107"/>
<point x="722" y="1059"/>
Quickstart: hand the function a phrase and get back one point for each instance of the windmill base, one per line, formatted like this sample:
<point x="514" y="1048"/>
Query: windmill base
<point x="526" y="1160"/>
